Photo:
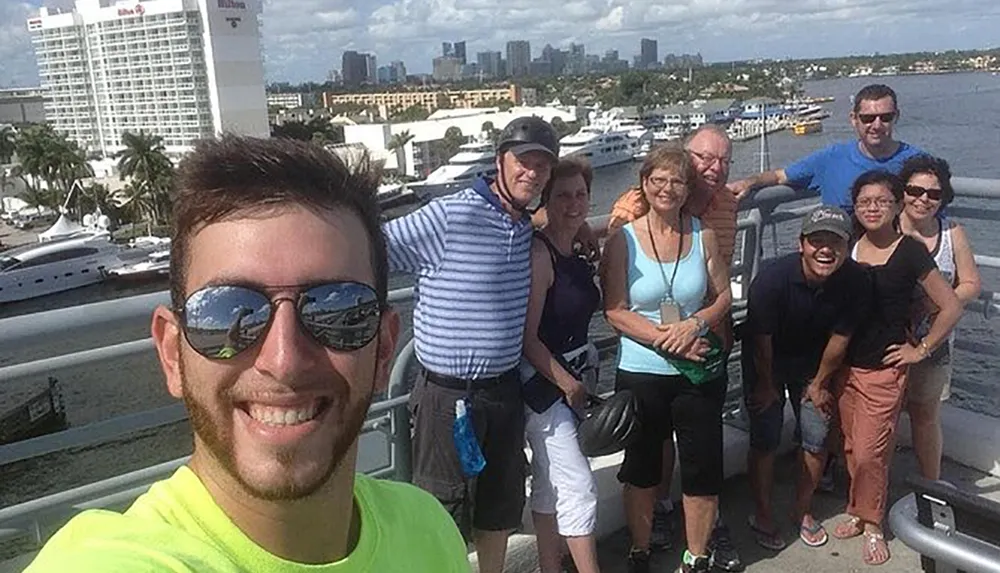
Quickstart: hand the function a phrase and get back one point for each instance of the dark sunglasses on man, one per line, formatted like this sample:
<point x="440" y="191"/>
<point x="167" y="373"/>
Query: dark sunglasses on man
<point x="221" y="321"/>
<point x="867" y="118"/>
<point x="916" y="191"/>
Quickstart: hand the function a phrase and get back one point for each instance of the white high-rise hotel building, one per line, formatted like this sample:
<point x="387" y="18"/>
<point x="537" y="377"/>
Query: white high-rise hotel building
<point x="180" y="69"/>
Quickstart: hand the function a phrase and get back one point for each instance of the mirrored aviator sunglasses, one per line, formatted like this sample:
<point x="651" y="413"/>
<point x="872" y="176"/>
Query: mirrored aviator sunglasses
<point x="221" y="321"/>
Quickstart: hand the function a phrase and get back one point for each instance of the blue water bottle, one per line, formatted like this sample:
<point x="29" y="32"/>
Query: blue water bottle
<point x="466" y="444"/>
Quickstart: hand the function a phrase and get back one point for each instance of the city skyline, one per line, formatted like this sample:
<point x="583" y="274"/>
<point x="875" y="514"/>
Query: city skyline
<point x="302" y="41"/>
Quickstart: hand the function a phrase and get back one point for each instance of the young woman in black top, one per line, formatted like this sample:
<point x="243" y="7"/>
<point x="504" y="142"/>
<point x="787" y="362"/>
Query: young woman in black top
<point x="881" y="351"/>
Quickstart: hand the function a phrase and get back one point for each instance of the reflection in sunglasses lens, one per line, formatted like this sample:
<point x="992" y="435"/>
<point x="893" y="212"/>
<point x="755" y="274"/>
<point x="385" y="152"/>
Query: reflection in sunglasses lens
<point x="343" y="316"/>
<point x="222" y="321"/>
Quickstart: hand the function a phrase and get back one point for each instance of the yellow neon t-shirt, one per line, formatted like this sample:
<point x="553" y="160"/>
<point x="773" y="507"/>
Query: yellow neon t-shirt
<point x="177" y="527"/>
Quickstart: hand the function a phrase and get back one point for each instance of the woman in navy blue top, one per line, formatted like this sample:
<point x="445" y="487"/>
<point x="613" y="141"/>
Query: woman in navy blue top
<point x="559" y="372"/>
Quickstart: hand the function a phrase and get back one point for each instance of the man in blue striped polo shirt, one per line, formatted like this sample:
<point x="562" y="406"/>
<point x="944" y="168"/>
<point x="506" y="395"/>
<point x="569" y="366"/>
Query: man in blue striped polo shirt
<point x="471" y="255"/>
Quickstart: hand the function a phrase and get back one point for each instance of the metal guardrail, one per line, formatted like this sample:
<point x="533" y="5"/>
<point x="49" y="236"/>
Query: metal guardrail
<point x="942" y="540"/>
<point x="390" y="416"/>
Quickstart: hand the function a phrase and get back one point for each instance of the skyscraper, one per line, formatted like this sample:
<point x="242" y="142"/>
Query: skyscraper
<point x="459" y="51"/>
<point x="179" y="69"/>
<point x="491" y="64"/>
<point x="371" y="68"/>
<point x="518" y="58"/>
<point x="647" y="53"/>
<point x="354" y="68"/>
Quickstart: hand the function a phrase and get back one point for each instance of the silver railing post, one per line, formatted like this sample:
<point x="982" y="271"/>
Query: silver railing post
<point x="402" y="453"/>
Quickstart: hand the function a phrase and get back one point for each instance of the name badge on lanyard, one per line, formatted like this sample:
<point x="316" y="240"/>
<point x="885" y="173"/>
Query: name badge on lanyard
<point x="670" y="312"/>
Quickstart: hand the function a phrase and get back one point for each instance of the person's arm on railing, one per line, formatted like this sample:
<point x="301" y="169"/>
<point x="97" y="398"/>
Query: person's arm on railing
<point x="798" y="174"/>
<point x="744" y="187"/>
<point x="416" y="242"/>
<point x="542" y="276"/>
<point x="969" y="282"/>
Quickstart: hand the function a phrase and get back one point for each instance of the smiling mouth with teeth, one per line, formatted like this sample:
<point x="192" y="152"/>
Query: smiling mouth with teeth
<point x="283" y="416"/>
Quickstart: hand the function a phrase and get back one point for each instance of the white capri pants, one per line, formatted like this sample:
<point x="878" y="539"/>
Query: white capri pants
<point x="561" y="480"/>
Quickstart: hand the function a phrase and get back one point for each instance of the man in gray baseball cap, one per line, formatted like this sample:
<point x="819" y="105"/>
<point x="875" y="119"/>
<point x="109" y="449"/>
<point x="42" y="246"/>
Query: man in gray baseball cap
<point x="827" y="218"/>
<point x="802" y="310"/>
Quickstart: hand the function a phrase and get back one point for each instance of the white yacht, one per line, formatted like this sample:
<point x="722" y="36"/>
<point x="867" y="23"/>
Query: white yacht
<point x="659" y="135"/>
<point x="155" y="265"/>
<point x="601" y="146"/>
<point x="56" y="265"/>
<point x="473" y="160"/>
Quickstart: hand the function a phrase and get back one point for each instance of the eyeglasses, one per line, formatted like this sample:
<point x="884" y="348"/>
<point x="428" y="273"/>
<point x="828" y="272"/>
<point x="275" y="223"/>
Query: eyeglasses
<point x="662" y="182"/>
<point x="221" y="321"/>
<point x="867" y="118"/>
<point x="709" y="159"/>
<point x="916" y="191"/>
<point x="879" y="203"/>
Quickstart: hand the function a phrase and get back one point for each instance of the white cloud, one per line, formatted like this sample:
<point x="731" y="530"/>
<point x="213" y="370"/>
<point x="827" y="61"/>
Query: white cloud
<point x="304" y="39"/>
<point x="17" y="62"/>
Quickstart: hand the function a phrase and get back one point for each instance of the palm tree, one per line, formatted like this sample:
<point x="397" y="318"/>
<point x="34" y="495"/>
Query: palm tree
<point x="47" y="157"/>
<point x="398" y="144"/>
<point x="8" y="142"/>
<point x="145" y="163"/>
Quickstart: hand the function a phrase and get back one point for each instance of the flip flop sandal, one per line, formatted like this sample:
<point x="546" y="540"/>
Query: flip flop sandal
<point x="766" y="539"/>
<point x="805" y="533"/>
<point x="871" y="544"/>
<point x="856" y="529"/>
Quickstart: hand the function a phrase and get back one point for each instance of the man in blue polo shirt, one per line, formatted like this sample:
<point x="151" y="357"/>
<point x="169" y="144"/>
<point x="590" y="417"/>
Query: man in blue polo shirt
<point x="471" y="255"/>
<point x="833" y="169"/>
<point x="802" y="309"/>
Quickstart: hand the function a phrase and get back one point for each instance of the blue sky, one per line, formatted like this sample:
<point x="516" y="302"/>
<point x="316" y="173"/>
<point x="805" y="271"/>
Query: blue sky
<point x="303" y="39"/>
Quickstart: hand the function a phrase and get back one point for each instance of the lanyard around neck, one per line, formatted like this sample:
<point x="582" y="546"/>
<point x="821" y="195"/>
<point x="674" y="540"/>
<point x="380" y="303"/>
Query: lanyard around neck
<point x="677" y="262"/>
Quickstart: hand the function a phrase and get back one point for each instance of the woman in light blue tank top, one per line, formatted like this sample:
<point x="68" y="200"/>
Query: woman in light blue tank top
<point x="665" y="285"/>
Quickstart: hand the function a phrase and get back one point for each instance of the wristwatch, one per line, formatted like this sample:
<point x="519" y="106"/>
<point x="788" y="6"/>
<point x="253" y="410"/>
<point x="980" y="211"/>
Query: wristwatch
<point x="702" y="325"/>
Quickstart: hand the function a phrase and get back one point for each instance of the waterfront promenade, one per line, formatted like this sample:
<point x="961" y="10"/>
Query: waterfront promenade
<point x="13" y="237"/>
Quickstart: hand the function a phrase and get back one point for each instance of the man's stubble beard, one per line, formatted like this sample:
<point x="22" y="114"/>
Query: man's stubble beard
<point x="220" y="449"/>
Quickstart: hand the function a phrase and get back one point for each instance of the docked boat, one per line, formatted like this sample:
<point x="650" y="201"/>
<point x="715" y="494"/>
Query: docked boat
<point x="43" y="413"/>
<point x="609" y="139"/>
<point x="474" y="159"/>
<point x="807" y="127"/>
<point x="658" y="136"/>
<point x="155" y="266"/>
<point x="56" y="265"/>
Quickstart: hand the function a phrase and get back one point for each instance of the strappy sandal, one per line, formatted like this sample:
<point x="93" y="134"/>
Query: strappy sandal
<point x="767" y="539"/>
<point x="848" y="529"/>
<point x="873" y="542"/>
<point x="813" y="536"/>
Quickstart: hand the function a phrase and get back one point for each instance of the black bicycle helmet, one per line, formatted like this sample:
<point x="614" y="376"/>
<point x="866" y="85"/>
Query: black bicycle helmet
<point x="529" y="134"/>
<point x="608" y="425"/>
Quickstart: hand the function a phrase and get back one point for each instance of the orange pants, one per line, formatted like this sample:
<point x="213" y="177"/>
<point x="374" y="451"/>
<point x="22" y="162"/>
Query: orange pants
<point x="869" y="404"/>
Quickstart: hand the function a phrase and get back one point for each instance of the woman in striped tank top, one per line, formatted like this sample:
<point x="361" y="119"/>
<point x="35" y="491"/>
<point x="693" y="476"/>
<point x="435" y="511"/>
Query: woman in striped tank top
<point x="928" y="190"/>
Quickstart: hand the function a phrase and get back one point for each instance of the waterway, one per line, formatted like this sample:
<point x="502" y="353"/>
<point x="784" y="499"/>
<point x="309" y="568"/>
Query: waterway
<point x="955" y="116"/>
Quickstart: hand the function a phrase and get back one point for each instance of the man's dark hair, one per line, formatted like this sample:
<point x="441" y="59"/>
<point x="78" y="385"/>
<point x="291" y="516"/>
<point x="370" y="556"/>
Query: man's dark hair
<point x="238" y="176"/>
<point x="930" y="165"/>
<point x="875" y="92"/>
